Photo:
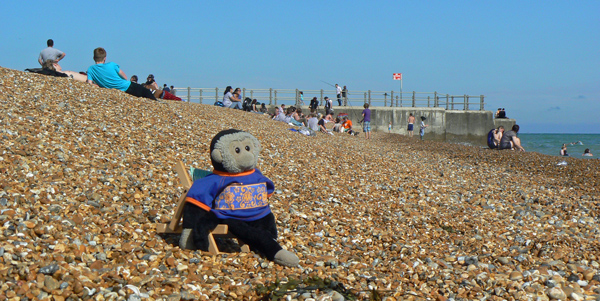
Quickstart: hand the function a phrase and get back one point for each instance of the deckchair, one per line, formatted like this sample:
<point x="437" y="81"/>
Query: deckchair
<point x="174" y="226"/>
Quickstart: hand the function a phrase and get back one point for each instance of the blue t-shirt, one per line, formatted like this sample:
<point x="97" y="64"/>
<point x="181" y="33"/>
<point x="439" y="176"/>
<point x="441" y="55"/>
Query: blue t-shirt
<point x="107" y="76"/>
<point x="367" y="113"/>
<point x="242" y="196"/>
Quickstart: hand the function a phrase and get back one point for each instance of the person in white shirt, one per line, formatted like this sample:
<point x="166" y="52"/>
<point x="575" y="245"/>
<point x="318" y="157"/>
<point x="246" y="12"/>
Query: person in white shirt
<point x="338" y="91"/>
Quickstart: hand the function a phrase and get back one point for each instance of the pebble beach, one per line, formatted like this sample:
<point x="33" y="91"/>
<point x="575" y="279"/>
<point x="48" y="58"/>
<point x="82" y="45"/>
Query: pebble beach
<point x="87" y="174"/>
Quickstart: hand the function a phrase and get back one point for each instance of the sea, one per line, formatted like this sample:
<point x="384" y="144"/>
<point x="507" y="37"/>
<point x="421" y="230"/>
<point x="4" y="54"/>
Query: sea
<point x="550" y="144"/>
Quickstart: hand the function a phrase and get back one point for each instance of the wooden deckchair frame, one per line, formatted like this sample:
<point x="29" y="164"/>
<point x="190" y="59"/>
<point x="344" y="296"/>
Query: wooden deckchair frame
<point x="175" y="226"/>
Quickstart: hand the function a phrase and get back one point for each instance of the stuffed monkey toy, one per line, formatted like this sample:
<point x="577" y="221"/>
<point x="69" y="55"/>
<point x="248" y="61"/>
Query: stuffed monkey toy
<point x="235" y="194"/>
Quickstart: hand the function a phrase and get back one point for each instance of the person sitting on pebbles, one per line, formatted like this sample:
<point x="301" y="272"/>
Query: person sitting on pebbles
<point x="510" y="140"/>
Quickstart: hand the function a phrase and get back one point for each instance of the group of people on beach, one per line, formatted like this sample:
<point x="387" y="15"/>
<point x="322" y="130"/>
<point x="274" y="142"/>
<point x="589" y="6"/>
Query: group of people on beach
<point x="324" y="123"/>
<point x="499" y="139"/>
<point x="103" y="74"/>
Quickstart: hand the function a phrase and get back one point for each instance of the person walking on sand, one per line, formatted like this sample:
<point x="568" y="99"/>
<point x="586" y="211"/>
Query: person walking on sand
<point x="366" y="114"/>
<point x="411" y="122"/>
<point x="50" y="53"/>
<point x="423" y="126"/>
<point x="390" y="127"/>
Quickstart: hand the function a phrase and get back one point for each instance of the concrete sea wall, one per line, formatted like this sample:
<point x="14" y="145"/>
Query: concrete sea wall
<point x="444" y="125"/>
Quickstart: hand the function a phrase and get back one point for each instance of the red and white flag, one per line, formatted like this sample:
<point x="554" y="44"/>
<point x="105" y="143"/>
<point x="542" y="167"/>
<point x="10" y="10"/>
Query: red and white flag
<point x="397" y="76"/>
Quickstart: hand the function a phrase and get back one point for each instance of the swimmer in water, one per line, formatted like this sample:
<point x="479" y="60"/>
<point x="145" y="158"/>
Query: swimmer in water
<point x="587" y="153"/>
<point x="563" y="150"/>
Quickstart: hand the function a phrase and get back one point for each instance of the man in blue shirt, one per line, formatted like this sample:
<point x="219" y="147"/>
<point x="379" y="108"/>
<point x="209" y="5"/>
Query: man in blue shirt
<point x="110" y="75"/>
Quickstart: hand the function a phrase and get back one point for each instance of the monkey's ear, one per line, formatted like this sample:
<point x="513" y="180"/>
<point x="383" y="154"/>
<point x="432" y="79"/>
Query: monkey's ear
<point x="217" y="155"/>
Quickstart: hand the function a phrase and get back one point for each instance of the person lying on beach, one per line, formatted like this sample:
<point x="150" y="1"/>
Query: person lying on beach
<point x="109" y="75"/>
<point x="51" y="67"/>
<point x="151" y="85"/>
<point x="510" y="140"/>
<point x="587" y="153"/>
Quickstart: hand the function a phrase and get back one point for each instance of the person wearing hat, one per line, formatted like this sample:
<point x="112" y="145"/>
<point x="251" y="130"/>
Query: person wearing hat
<point x="151" y="83"/>
<point x="423" y="126"/>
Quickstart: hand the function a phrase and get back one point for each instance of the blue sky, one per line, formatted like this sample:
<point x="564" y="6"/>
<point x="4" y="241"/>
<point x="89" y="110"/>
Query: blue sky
<point x="538" y="59"/>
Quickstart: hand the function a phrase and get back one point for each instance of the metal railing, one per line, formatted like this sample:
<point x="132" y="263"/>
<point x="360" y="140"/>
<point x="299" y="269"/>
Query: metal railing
<point x="354" y="98"/>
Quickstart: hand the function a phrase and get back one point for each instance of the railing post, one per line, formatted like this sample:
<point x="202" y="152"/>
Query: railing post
<point x="365" y="97"/>
<point x="480" y="102"/>
<point x="413" y="100"/>
<point x="252" y="94"/>
<point x="397" y="101"/>
<point x="369" y="97"/>
<point x="275" y="96"/>
<point x="243" y="93"/>
<point x="189" y="94"/>
<point x="200" y="95"/>
<point x="428" y="99"/>
<point x="271" y="96"/>
<point x="321" y="99"/>
<point x="216" y="95"/>
<point x="385" y="99"/>
<point x="447" y="98"/>
<point x="435" y="100"/>
<point x="297" y="102"/>
<point x="392" y="99"/>
<point x="466" y="102"/>
<point x="452" y="102"/>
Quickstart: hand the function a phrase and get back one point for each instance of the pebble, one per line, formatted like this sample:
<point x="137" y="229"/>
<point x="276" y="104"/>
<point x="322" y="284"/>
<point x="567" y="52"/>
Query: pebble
<point x="84" y="184"/>
<point x="556" y="293"/>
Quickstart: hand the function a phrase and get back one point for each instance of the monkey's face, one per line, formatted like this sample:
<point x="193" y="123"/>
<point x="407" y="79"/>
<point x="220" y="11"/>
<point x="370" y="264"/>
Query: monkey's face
<point x="244" y="153"/>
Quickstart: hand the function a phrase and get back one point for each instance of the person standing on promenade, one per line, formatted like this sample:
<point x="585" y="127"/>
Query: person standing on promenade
<point x="510" y="140"/>
<point x="301" y="94"/>
<point x="366" y="114"/>
<point x="328" y="105"/>
<point x="423" y="126"/>
<point x="411" y="122"/>
<point x="314" y="104"/>
<point x="50" y="53"/>
<point x="338" y="91"/>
